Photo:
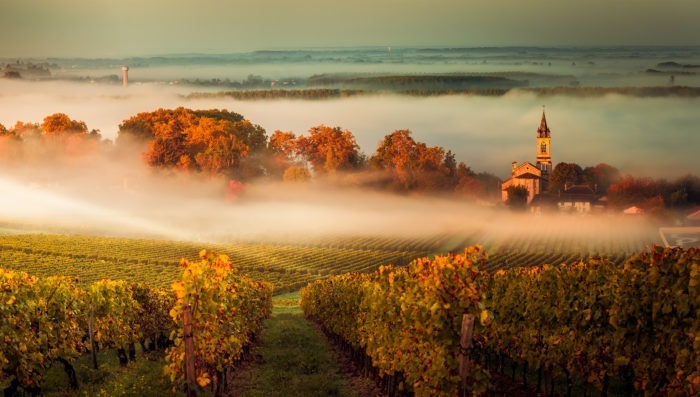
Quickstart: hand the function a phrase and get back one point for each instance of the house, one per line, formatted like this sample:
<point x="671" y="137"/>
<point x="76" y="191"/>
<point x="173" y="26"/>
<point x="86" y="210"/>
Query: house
<point x="633" y="210"/>
<point x="577" y="198"/>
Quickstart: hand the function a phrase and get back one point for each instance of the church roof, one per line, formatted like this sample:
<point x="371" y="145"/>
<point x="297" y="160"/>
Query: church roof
<point x="527" y="175"/>
<point x="577" y="193"/>
<point x="543" y="131"/>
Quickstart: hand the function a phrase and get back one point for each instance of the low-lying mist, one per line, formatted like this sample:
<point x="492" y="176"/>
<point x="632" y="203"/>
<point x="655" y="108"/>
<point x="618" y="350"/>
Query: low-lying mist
<point x="117" y="194"/>
<point x="110" y="191"/>
<point x="129" y="200"/>
<point x="641" y="136"/>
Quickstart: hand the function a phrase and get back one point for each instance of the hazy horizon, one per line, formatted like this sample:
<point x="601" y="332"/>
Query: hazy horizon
<point x="119" y="28"/>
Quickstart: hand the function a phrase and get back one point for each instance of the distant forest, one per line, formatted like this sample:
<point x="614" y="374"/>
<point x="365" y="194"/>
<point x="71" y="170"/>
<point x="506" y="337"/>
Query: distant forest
<point x="328" y="93"/>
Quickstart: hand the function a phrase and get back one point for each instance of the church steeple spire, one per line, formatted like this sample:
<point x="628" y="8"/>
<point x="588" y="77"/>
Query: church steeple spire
<point x="543" y="131"/>
<point x="544" y="156"/>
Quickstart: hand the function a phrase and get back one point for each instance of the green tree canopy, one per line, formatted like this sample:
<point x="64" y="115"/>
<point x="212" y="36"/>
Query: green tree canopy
<point x="563" y="174"/>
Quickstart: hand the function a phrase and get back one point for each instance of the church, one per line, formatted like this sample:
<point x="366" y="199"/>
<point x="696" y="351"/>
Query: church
<point x="533" y="177"/>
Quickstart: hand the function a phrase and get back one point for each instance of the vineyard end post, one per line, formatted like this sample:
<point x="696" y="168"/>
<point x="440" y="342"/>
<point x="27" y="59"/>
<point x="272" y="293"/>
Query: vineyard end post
<point x="465" y="344"/>
<point x="91" y="333"/>
<point x="189" y="349"/>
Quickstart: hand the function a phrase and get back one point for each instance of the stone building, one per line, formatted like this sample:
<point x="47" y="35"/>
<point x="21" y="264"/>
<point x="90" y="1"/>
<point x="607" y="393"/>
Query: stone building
<point x="533" y="177"/>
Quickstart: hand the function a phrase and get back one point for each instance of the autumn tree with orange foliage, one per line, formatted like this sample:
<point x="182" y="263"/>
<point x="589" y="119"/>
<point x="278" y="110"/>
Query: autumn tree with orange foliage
<point x="414" y="165"/>
<point x="281" y="152"/>
<point x="10" y="144"/>
<point x="329" y="149"/>
<point x="295" y="174"/>
<point x="469" y="184"/>
<point x="24" y="130"/>
<point x="282" y="143"/>
<point x="57" y="137"/>
<point x="60" y="123"/>
<point x="71" y="135"/>
<point x="645" y="193"/>
<point x="210" y="141"/>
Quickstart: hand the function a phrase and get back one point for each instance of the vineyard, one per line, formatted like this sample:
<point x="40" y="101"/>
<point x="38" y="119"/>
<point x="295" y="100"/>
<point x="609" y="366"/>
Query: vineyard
<point x="204" y="324"/>
<point x="287" y="267"/>
<point x="296" y="261"/>
<point x="570" y="334"/>
<point x="585" y="323"/>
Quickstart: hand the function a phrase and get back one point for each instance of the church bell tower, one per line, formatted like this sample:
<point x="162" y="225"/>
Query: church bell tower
<point x="544" y="157"/>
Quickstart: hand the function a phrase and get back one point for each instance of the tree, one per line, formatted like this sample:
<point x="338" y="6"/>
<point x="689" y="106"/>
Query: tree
<point x="563" y="174"/>
<point x="12" y="74"/>
<point x="450" y="163"/>
<point x="212" y="141"/>
<point x="651" y="194"/>
<point x="413" y="165"/>
<point x="295" y="174"/>
<point x="633" y="191"/>
<point x="282" y="144"/>
<point x="684" y="191"/>
<point x="220" y="114"/>
<point x="329" y="149"/>
<point x="491" y="184"/>
<point x="223" y="153"/>
<point x="135" y="129"/>
<point x="60" y="124"/>
<point x="26" y="130"/>
<point x="517" y="198"/>
<point x="469" y="187"/>
<point x="600" y="177"/>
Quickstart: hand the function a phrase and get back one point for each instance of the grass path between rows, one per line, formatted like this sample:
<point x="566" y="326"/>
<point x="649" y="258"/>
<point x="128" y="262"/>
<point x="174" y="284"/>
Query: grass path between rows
<point x="293" y="358"/>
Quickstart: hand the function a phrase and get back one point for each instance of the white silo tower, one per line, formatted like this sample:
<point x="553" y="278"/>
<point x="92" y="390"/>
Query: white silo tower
<point x="125" y="75"/>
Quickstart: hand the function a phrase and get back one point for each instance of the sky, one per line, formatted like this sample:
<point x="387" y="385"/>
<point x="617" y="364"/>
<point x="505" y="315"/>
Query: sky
<point x="122" y="28"/>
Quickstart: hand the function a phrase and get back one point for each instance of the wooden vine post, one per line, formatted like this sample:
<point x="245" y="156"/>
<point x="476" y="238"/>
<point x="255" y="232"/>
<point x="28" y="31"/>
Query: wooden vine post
<point x="91" y="332"/>
<point x="465" y="344"/>
<point x="190" y="376"/>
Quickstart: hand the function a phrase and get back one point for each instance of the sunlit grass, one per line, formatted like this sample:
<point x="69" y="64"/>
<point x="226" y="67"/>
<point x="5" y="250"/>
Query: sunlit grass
<point x="294" y="360"/>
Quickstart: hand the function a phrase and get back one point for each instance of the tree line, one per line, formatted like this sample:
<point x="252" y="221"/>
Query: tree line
<point x="622" y="191"/>
<point x="224" y="143"/>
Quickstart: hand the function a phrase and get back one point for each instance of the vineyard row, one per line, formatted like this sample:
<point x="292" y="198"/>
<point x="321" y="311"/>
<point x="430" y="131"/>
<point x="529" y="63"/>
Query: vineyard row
<point x="47" y="320"/>
<point x="584" y="323"/>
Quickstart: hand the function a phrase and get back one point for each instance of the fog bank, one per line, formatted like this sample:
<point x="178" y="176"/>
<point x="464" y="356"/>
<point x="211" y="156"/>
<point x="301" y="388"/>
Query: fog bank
<point x="642" y="136"/>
